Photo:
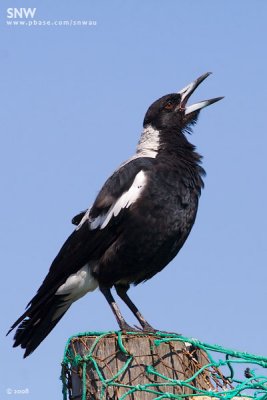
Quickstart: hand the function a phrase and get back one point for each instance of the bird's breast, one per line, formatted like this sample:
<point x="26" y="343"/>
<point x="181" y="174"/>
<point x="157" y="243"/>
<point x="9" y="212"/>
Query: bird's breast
<point x="158" y="223"/>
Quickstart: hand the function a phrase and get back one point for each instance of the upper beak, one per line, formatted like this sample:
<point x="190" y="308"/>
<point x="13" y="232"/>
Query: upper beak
<point x="189" y="90"/>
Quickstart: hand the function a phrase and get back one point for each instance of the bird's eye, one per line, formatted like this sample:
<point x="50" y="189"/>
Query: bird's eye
<point x="169" y="105"/>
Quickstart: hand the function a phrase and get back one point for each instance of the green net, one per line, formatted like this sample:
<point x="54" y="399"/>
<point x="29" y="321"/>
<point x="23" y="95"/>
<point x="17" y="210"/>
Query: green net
<point x="113" y="365"/>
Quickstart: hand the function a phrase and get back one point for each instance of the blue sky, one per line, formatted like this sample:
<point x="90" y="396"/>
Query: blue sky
<point x="73" y="102"/>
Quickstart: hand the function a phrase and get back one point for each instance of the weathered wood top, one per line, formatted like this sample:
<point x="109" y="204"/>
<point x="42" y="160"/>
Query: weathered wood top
<point x="138" y="369"/>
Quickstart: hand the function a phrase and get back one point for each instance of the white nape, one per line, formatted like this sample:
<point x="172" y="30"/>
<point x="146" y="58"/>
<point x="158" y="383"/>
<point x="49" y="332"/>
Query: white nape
<point x="78" y="284"/>
<point x="126" y="199"/>
<point x="148" y="144"/>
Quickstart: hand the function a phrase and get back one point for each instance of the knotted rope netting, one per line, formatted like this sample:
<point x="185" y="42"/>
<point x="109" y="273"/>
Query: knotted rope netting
<point x="110" y="366"/>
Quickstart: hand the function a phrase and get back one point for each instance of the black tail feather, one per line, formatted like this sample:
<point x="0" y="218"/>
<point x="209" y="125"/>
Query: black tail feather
<point x="21" y="318"/>
<point x="35" y="325"/>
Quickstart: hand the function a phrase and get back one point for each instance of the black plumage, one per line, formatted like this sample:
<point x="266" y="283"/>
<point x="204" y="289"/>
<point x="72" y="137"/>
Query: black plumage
<point x="138" y="223"/>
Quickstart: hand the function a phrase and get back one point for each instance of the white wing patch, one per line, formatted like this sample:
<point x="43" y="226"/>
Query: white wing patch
<point x="98" y="221"/>
<point x="126" y="199"/>
<point x="84" y="218"/>
<point x="93" y="223"/>
<point x="148" y="146"/>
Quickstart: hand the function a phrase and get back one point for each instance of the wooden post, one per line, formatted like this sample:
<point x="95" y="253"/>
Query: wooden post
<point x="137" y="362"/>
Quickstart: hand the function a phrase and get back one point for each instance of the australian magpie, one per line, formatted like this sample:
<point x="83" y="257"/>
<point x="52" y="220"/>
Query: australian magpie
<point x="139" y="221"/>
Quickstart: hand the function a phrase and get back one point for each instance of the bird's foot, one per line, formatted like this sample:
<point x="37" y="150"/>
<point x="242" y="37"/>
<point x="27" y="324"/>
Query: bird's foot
<point x="128" y="328"/>
<point x="148" y="328"/>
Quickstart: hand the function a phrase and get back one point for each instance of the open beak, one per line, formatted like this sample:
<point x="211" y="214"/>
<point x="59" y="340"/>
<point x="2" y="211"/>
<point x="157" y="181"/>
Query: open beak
<point x="189" y="90"/>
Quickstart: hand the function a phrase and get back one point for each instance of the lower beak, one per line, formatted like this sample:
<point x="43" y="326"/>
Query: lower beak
<point x="189" y="90"/>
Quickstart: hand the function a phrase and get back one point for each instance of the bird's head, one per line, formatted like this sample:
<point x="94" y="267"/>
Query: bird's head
<point x="172" y="112"/>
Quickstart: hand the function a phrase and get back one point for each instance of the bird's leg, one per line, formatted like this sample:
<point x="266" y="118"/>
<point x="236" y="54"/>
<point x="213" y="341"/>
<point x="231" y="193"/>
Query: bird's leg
<point x="122" y="293"/>
<point x="115" y="309"/>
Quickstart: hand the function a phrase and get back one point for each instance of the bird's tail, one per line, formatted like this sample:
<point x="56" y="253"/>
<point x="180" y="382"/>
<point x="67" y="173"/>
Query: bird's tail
<point x="37" y="322"/>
